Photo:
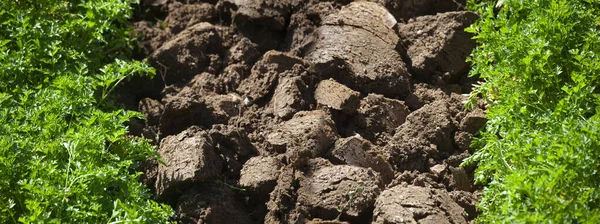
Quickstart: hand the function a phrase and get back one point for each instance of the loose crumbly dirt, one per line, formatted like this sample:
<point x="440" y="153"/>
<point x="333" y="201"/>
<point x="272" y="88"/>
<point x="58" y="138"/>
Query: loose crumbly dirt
<point x="308" y="111"/>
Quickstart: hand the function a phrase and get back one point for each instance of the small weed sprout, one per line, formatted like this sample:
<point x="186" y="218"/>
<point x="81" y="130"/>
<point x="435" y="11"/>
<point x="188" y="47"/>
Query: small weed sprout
<point x="352" y="196"/>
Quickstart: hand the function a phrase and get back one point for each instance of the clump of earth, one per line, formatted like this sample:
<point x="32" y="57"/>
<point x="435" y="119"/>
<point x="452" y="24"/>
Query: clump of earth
<point x="290" y="111"/>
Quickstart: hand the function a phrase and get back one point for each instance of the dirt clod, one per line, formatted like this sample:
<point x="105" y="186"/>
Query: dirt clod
<point x="245" y="51"/>
<point x="260" y="174"/>
<point x="412" y="204"/>
<point x="468" y="201"/>
<point x="437" y="44"/>
<point x="410" y="9"/>
<point x="427" y="133"/>
<point x="152" y="35"/>
<point x="182" y="16"/>
<point x="337" y="96"/>
<point x="211" y="203"/>
<point x="344" y="189"/>
<point x="265" y="74"/>
<point x="473" y="121"/>
<point x="366" y="60"/>
<point x="188" y="157"/>
<point x="306" y="135"/>
<point x="463" y="140"/>
<point x="262" y="21"/>
<point x="460" y="179"/>
<point x="380" y="114"/>
<point x="187" y="54"/>
<point x="357" y="151"/>
<point x="282" y="200"/>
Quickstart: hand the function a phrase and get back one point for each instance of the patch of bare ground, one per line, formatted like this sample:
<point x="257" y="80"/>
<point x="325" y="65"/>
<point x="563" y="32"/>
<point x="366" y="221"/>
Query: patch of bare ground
<point x="306" y="111"/>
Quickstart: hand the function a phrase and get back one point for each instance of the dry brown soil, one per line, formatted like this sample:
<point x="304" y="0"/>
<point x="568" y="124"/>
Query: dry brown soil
<point x="308" y="111"/>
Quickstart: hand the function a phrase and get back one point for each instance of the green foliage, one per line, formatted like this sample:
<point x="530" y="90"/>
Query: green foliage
<point x="539" y="154"/>
<point x="64" y="152"/>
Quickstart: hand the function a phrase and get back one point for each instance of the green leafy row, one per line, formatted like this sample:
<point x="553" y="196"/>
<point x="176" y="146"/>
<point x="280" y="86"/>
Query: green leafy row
<point x="539" y="155"/>
<point x="65" y="155"/>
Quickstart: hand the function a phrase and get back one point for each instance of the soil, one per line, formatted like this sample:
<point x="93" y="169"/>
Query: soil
<point x="307" y="111"/>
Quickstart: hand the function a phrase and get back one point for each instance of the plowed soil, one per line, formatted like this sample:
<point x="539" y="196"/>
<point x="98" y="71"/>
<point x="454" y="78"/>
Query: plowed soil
<point x="307" y="111"/>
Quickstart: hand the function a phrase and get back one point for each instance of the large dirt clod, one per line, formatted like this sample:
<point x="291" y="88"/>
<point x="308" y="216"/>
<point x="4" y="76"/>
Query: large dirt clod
<point x="357" y="151"/>
<point x="282" y="199"/>
<point x="244" y="51"/>
<point x="260" y="174"/>
<point x="349" y="190"/>
<point x="152" y="36"/>
<point x="307" y="135"/>
<point x="182" y="16"/>
<point x="412" y="204"/>
<point x="262" y="21"/>
<point x="195" y="106"/>
<point x="410" y="9"/>
<point x="473" y="121"/>
<point x="379" y="114"/>
<point x="303" y="23"/>
<point x="265" y="74"/>
<point x="187" y="54"/>
<point x="233" y="146"/>
<point x="433" y="122"/>
<point x="211" y="203"/>
<point x="427" y="133"/>
<point x="188" y="157"/>
<point x="438" y="45"/>
<point x="337" y="96"/>
<point x="291" y="95"/>
<point x="366" y="60"/>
